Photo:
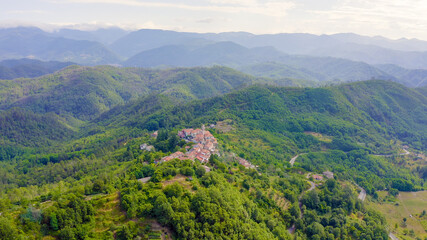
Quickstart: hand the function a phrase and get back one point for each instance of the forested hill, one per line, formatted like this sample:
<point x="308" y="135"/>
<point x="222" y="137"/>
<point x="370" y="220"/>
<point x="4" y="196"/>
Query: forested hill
<point x="29" y="68"/>
<point x="85" y="92"/>
<point x="423" y="90"/>
<point x="93" y="180"/>
<point x="370" y="112"/>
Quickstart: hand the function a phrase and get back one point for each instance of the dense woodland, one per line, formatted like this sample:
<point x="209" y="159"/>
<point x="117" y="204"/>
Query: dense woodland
<point x="70" y="157"/>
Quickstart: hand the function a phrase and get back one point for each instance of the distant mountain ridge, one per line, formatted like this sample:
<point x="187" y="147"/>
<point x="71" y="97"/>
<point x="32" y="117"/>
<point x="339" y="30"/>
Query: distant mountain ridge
<point x="338" y="57"/>
<point x="29" y="68"/>
<point x="409" y="53"/>
<point x="237" y="56"/>
<point x="35" y="43"/>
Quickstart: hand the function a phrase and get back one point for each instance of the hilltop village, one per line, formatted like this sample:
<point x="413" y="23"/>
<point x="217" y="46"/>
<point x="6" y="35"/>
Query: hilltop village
<point x="205" y="145"/>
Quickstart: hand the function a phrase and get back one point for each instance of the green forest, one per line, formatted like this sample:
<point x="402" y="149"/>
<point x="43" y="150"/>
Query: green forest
<point x="71" y="165"/>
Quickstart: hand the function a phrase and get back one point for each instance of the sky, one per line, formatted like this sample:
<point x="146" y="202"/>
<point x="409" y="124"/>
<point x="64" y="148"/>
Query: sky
<point x="390" y="18"/>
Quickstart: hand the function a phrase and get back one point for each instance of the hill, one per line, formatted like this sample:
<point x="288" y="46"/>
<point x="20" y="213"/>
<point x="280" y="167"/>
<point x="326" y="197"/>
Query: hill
<point x="29" y="68"/>
<point x="408" y="53"/>
<point x="85" y="92"/>
<point x="34" y="43"/>
<point x="146" y="39"/>
<point x="409" y="77"/>
<point x="221" y="53"/>
<point x="103" y="35"/>
<point x="372" y="50"/>
<point x="20" y="127"/>
<point x="234" y="55"/>
<point x="322" y="58"/>
<point x="269" y="124"/>
<point x="386" y="108"/>
<point x="276" y="71"/>
<point x="95" y="181"/>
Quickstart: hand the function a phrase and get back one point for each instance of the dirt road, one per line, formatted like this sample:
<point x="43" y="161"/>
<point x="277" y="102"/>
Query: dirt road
<point x="293" y="160"/>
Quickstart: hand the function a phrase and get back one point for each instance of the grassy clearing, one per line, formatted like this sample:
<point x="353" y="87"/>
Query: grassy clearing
<point x="407" y="205"/>
<point x="109" y="217"/>
<point x="108" y="212"/>
<point x="182" y="180"/>
<point x="320" y="137"/>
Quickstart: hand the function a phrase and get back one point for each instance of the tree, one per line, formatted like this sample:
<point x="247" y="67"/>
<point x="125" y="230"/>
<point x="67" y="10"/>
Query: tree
<point x="173" y="190"/>
<point x="294" y="210"/>
<point x="67" y="234"/>
<point x="162" y="135"/>
<point x="393" y="192"/>
<point x="403" y="223"/>
<point x="311" y="199"/>
<point x="200" y="171"/>
<point x="98" y="186"/>
<point x="7" y="229"/>
<point x="124" y="233"/>
<point x="157" y="177"/>
<point x="331" y="183"/>
<point x="163" y="210"/>
<point x="172" y="142"/>
<point x="187" y="171"/>
<point x="53" y="221"/>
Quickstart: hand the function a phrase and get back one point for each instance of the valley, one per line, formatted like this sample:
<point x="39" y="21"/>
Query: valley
<point x="156" y="134"/>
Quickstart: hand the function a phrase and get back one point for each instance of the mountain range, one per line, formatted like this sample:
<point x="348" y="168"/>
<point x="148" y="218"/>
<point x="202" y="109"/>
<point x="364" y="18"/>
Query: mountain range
<point x="305" y="57"/>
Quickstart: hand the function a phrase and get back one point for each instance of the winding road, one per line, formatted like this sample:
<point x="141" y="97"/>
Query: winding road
<point x="293" y="160"/>
<point x="362" y="196"/>
<point x="406" y="152"/>
<point x="391" y="235"/>
<point x="312" y="187"/>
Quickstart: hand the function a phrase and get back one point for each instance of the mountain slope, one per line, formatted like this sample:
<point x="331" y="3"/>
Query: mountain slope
<point x="368" y="112"/>
<point x="276" y="70"/>
<point x="102" y="35"/>
<point x="408" y="53"/>
<point x="34" y="43"/>
<point x="97" y="181"/>
<point x="409" y="77"/>
<point x="29" y="68"/>
<point x="234" y="55"/>
<point x="376" y="50"/>
<point x="85" y="92"/>
<point x="22" y="130"/>
<point x="221" y="53"/>
<point x="146" y="39"/>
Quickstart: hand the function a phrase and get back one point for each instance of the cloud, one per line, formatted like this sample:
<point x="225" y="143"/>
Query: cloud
<point x="385" y="17"/>
<point x="206" y="20"/>
<point x="27" y="12"/>
<point x="267" y="8"/>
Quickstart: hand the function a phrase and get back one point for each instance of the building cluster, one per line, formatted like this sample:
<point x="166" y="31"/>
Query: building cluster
<point x="205" y="145"/>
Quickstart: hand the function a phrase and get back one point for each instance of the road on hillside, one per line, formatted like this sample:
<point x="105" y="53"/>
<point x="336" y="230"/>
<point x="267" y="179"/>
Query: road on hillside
<point x="362" y="194"/>
<point x="406" y="152"/>
<point x="391" y="235"/>
<point x="312" y="187"/>
<point x="293" y="160"/>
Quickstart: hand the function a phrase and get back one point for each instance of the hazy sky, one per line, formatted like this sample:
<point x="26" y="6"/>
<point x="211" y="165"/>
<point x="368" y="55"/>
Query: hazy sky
<point x="390" y="18"/>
